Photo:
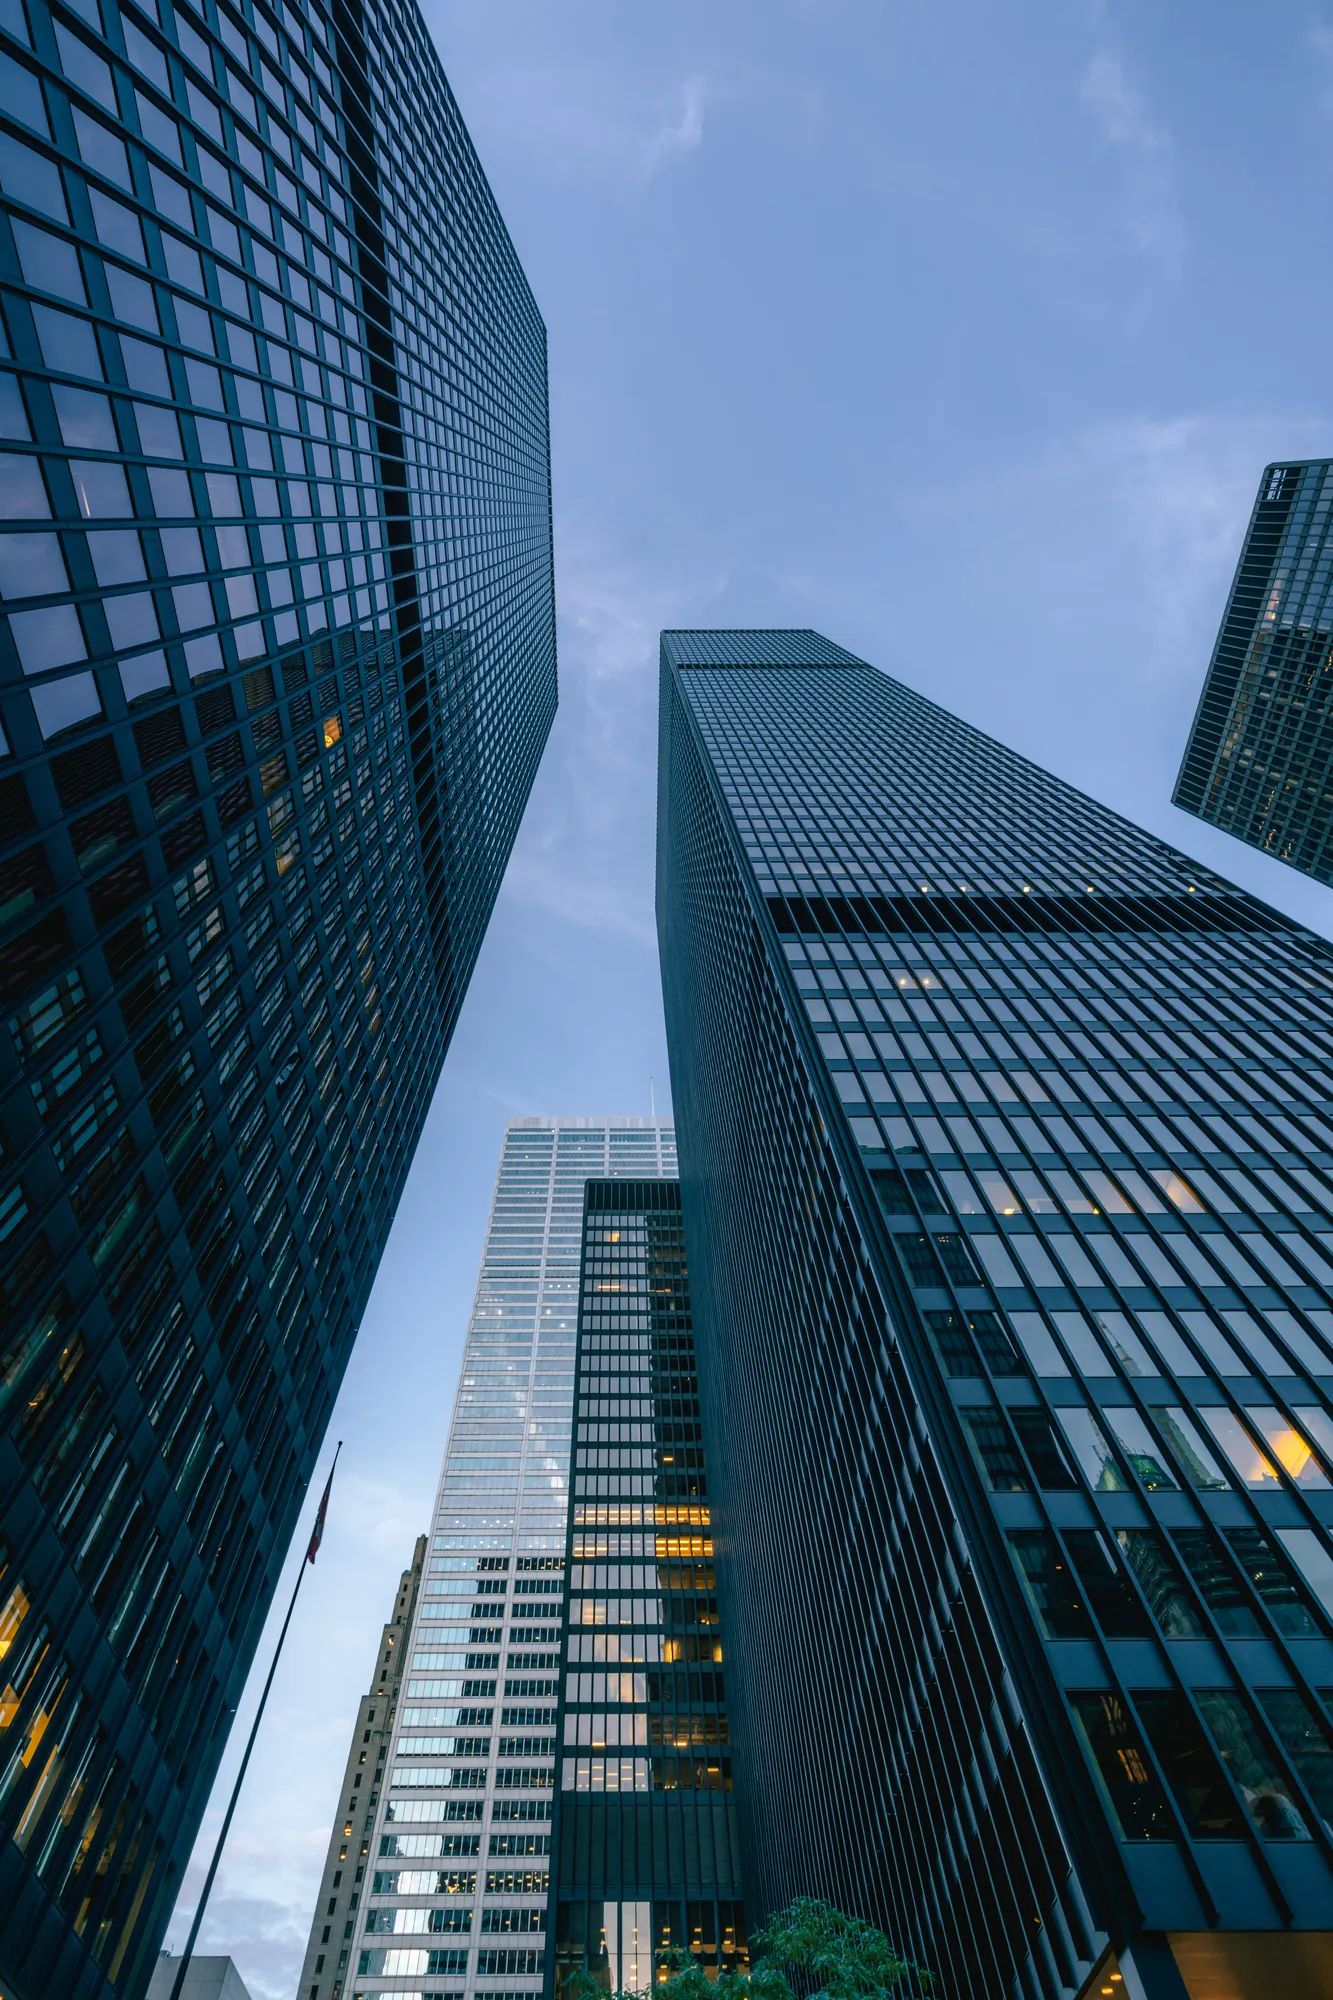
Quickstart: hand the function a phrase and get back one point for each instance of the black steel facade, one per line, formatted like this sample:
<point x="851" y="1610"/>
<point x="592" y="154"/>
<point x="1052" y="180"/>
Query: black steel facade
<point x="276" y="670"/>
<point x="1007" y="1172"/>
<point x="644" y="1836"/>
<point x="1259" y="760"/>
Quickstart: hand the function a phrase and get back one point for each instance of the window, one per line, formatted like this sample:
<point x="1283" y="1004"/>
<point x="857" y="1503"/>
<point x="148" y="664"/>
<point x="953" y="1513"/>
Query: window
<point x="1183" y="1751"/>
<point x="1043" y="1355"/>
<point x="1191" y="1454"/>
<point x="1254" y="1770"/>
<point x="1091" y="1450"/>
<point x="1314" y="1560"/>
<point x="919" y="1257"/>
<point x="1053" y="1589"/>
<point x="1138" y="1803"/>
<point x="1274" y="1581"/>
<point x="1253" y="1465"/>
<point x="995" y="1451"/>
<point x="1110" y="1596"/>
<point x="1162" y="1583"/>
<point x="1140" y="1447"/>
<point x="1216" y="1581"/>
<point x="1049" y="1461"/>
<point x="1305" y="1738"/>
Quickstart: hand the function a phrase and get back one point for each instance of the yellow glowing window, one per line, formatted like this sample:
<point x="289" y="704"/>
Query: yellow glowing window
<point x="1178" y="1192"/>
<point x="333" y="729"/>
<point x="12" y="1614"/>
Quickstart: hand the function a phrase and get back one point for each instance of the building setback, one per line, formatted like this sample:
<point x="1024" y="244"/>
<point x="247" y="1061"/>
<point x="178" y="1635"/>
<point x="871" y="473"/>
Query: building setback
<point x="1007" y="1169"/>
<point x="458" y="1860"/>
<point x="342" y="1884"/>
<point x="645" y="1847"/>
<point x="1259" y="760"/>
<point x="205" y="1979"/>
<point x="276" y="669"/>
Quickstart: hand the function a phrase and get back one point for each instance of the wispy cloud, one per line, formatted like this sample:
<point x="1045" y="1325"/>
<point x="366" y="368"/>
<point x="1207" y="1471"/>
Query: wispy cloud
<point x="1319" y="41"/>
<point x="596" y="118"/>
<point x="682" y="129"/>
<point x="1148" y="201"/>
<point x="1114" y="544"/>
<point x="587" y="856"/>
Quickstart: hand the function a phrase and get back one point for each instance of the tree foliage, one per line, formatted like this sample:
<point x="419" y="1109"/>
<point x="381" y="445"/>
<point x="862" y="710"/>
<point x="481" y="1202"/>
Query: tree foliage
<point x="809" y="1951"/>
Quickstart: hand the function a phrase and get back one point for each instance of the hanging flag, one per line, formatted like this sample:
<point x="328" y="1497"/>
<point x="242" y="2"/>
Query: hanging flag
<point x="317" y="1534"/>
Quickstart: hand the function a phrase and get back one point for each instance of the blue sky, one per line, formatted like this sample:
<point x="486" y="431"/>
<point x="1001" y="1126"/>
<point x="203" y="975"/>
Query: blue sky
<point x="961" y="332"/>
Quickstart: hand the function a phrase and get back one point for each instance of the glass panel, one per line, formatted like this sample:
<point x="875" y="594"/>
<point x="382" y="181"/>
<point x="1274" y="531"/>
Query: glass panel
<point x="1160" y="1580"/>
<point x="1113" y="1603"/>
<point x="1305" y="1737"/>
<point x="1216" y="1581"/>
<point x="1052" y="1587"/>
<point x="1137" y="1801"/>
<point x="1254" y="1770"/>
<point x="1140" y="1447"/>
<point x="1191" y="1454"/>
<point x="1184" y="1753"/>
<point x="1049" y="1461"/>
<point x="1250" y="1462"/>
<point x="1092" y="1450"/>
<point x="1314" y="1559"/>
<point x="1125" y="1344"/>
<point x="1274" y="1581"/>
<point x="1036" y="1342"/>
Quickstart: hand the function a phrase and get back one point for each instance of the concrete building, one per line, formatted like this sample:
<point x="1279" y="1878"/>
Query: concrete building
<point x="340" y="1888"/>
<point x="205" y="1979"/>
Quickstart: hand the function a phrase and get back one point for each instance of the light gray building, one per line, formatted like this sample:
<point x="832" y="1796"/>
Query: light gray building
<point x="323" y="1975"/>
<point x="457" y="1857"/>
<point x="205" y="1979"/>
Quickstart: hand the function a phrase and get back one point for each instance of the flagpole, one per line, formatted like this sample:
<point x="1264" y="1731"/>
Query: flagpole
<point x="306" y="1562"/>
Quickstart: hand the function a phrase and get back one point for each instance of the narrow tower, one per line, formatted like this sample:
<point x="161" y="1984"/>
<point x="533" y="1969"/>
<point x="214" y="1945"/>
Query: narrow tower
<point x="646" y="1857"/>
<point x="342" y="1885"/>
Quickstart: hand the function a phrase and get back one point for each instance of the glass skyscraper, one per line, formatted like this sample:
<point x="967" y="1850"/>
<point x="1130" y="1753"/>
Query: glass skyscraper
<point x="276" y="668"/>
<point x="454" y="1873"/>
<point x="646" y="1856"/>
<point x="1259" y="761"/>
<point x="1007" y="1173"/>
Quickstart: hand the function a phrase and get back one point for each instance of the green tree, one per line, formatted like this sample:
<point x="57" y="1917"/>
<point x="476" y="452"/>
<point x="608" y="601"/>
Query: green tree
<point x="809" y="1951"/>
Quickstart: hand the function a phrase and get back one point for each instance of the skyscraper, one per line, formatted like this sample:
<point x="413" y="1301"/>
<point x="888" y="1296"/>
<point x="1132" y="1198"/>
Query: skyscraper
<point x="341" y="1886"/>
<point x="646" y="1855"/>
<point x="1007" y="1169"/>
<point x="455" y="1870"/>
<point x="1259" y="761"/>
<point x="276" y="669"/>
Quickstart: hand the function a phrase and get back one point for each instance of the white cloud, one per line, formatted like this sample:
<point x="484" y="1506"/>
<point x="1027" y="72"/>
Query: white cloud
<point x="1147" y="198"/>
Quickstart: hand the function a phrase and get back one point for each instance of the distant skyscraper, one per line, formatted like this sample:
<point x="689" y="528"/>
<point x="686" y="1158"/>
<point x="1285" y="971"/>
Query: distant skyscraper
<point x="1007" y="1171"/>
<point x="645" y="1845"/>
<point x="276" y="668"/>
<point x="458" y="1861"/>
<point x="1259" y="761"/>
<point x="342" y="1885"/>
